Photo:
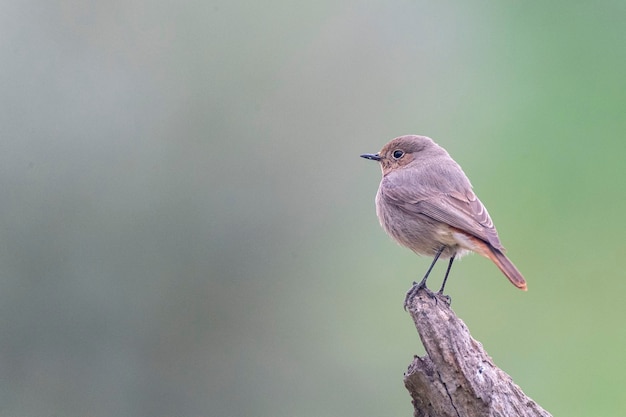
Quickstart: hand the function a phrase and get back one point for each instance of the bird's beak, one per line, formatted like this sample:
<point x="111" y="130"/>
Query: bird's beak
<point x="371" y="156"/>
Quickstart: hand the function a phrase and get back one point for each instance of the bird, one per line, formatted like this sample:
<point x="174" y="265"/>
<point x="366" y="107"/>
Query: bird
<point x="426" y="203"/>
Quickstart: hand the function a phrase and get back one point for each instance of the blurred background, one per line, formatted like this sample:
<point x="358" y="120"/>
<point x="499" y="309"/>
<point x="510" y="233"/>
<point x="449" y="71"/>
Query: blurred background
<point x="187" y="228"/>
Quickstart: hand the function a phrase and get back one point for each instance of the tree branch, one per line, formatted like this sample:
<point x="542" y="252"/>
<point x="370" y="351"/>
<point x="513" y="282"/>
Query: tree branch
<point x="457" y="377"/>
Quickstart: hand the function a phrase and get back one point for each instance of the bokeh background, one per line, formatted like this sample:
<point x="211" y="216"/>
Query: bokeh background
<point x="187" y="229"/>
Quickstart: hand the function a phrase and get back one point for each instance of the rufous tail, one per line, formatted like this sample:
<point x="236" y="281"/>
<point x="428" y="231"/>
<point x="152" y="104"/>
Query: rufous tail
<point x="507" y="267"/>
<point x="483" y="248"/>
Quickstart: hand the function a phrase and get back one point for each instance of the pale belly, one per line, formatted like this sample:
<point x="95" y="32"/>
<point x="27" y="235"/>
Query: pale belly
<point x="422" y="234"/>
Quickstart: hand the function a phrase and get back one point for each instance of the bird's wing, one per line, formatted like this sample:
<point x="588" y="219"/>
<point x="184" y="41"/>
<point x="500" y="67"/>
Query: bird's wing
<point x="462" y="210"/>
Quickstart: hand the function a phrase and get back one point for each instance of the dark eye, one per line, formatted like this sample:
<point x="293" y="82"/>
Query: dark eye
<point x="397" y="154"/>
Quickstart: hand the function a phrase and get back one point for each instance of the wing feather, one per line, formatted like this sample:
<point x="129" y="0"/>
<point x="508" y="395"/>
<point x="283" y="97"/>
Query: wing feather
<point x="459" y="209"/>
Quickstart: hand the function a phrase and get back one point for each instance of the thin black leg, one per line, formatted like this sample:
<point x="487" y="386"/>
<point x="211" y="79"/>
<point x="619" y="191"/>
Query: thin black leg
<point x="422" y="284"/>
<point x="423" y="281"/>
<point x="445" y="278"/>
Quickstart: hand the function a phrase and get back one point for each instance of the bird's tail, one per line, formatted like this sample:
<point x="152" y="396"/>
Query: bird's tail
<point x="507" y="267"/>
<point x="483" y="248"/>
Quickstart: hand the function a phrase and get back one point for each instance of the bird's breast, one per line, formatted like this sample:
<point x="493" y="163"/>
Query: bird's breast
<point x="414" y="230"/>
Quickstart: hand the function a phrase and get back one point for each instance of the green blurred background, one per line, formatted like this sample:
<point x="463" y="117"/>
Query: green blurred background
<point x="187" y="228"/>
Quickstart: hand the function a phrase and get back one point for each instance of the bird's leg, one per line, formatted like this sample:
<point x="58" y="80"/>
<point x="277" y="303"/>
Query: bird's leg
<point x="422" y="284"/>
<point x="445" y="278"/>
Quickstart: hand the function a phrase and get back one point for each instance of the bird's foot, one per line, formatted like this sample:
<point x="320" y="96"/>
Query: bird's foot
<point x="412" y="292"/>
<point x="417" y="287"/>
<point x="446" y="298"/>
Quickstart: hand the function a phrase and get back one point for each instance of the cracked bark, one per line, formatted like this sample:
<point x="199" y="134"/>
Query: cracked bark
<point x="457" y="378"/>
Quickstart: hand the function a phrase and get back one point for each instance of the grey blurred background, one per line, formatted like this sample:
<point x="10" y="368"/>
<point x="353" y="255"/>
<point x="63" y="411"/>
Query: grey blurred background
<point x="187" y="228"/>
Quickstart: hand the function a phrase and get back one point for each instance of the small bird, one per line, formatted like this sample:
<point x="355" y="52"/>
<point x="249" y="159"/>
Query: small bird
<point x="425" y="202"/>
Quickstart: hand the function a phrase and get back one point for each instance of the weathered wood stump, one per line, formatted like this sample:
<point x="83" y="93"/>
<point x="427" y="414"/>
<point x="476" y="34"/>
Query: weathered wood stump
<point x="457" y="377"/>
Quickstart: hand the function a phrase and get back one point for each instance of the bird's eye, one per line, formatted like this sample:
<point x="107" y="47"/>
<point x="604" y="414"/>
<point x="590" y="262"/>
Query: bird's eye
<point x="397" y="154"/>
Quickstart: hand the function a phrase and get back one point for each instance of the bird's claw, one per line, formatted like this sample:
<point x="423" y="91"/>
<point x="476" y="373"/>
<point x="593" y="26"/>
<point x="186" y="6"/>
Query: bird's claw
<point x="412" y="292"/>
<point x="417" y="287"/>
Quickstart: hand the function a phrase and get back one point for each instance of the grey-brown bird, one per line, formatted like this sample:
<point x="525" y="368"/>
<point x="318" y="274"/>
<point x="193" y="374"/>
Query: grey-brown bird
<point x="425" y="202"/>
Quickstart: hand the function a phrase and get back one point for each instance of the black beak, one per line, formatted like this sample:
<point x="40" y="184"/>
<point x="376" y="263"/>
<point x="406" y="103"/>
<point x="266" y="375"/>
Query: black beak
<point x="371" y="156"/>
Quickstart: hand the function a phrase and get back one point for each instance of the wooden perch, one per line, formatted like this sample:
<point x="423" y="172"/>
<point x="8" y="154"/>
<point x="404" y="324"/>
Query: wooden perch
<point x="457" y="378"/>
